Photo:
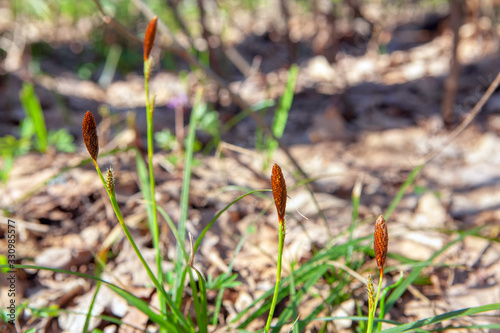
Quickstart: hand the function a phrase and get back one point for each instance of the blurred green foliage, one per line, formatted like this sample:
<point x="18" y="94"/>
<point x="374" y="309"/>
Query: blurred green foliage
<point x="32" y="134"/>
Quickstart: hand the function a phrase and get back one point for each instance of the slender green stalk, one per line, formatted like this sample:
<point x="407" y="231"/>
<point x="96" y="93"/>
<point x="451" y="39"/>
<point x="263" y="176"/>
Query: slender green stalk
<point x="293" y="297"/>
<point x="134" y="301"/>
<point x="89" y="313"/>
<point x="150" y="273"/>
<point x="371" y="315"/>
<point x="381" y="313"/>
<point x="198" y="109"/>
<point x="278" y="275"/>
<point x="34" y="115"/>
<point x="411" y="177"/>
<point x="355" y="197"/>
<point x="154" y="227"/>
<point x="99" y="267"/>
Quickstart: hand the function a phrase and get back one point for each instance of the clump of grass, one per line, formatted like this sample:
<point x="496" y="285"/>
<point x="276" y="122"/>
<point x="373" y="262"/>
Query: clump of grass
<point x="92" y="143"/>
<point x="170" y="306"/>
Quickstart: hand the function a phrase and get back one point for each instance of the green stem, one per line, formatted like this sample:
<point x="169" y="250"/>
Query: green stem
<point x="153" y="278"/>
<point x="198" y="108"/>
<point x="89" y="313"/>
<point x="154" y="227"/>
<point x="355" y="197"/>
<point x="371" y="315"/>
<point x="278" y="275"/>
<point x="381" y="313"/>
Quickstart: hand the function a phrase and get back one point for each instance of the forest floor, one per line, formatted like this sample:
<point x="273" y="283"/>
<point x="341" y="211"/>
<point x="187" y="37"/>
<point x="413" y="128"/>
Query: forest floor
<point x="367" y="118"/>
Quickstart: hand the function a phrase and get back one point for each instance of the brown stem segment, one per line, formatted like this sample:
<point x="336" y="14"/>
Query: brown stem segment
<point x="90" y="138"/>
<point x="381" y="242"/>
<point x="279" y="191"/>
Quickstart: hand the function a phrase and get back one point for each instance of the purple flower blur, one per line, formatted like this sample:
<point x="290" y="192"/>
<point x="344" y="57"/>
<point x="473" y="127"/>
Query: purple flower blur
<point x="176" y="101"/>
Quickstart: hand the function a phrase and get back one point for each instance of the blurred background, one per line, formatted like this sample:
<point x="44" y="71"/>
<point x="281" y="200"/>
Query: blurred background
<point x="82" y="56"/>
<point x="364" y="89"/>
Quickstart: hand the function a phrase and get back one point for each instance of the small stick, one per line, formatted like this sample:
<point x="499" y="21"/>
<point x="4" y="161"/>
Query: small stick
<point x="27" y="225"/>
<point x="468" y="119"/>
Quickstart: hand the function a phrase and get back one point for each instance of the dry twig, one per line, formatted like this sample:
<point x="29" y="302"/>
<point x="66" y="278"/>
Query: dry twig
<point x="468" y="119"/>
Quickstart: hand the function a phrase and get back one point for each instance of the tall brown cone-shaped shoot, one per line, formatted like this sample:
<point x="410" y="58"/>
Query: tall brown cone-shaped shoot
<point x="279" y="191"/>
<point x="149" y="38"/>
<point x="380" y="242"/>
<point x="90" y="138"/>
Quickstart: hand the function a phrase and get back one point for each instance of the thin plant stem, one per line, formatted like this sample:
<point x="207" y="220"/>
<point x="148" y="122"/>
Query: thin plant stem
<point x="89" y="313"/>
<point x="355" y="198"/>
<point x="278" y="275"/>
<point x="159" y="287"/>
<point x="99" y="267"/>
<point x="371" y="315"/>
<point x="198" y="108"/>
<point x="154" y="227"/>
<point x="102" y="178"/>
<point x="381" y="313"/>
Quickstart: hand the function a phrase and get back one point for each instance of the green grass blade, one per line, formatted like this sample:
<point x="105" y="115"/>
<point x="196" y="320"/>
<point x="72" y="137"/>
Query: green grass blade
<point x="209" y="225"/>
<point x="33" y="110"/>
<point x="172" y="227"/>
<point x="442" y="317"/>
<point x="467" y="328"/>
<point x="110" y="65"/>
<point x="99" y="259"/>
<point x="303" y="278"/>
<point x="50" y="311"/>
<point x="355" y="198"/>
<point x="131" y="299"/>
<point x="281" y="115"/>
<point x="382" y="300"/>
<point x="8" y="162"/>
<point x="155" y="230"/>
<point x="201" y="301"/>
<point x="413" y="174"/>
<point x="89" y="313"/>
<point x="398" y="292"/>
<point x="354" y="318"/>
<point x="182" y="277"/>
<point x="302" y="275"/>
<point x="282" y="112"/>
<point x="335" y="297"/>
<point x="200" y="312"/>
<point x="198" y="109"/>
<point x="145" y="186"/>
<point x="159" y="286"/>
<point x="291" y="310"/>
<point x="294" y="302"/>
